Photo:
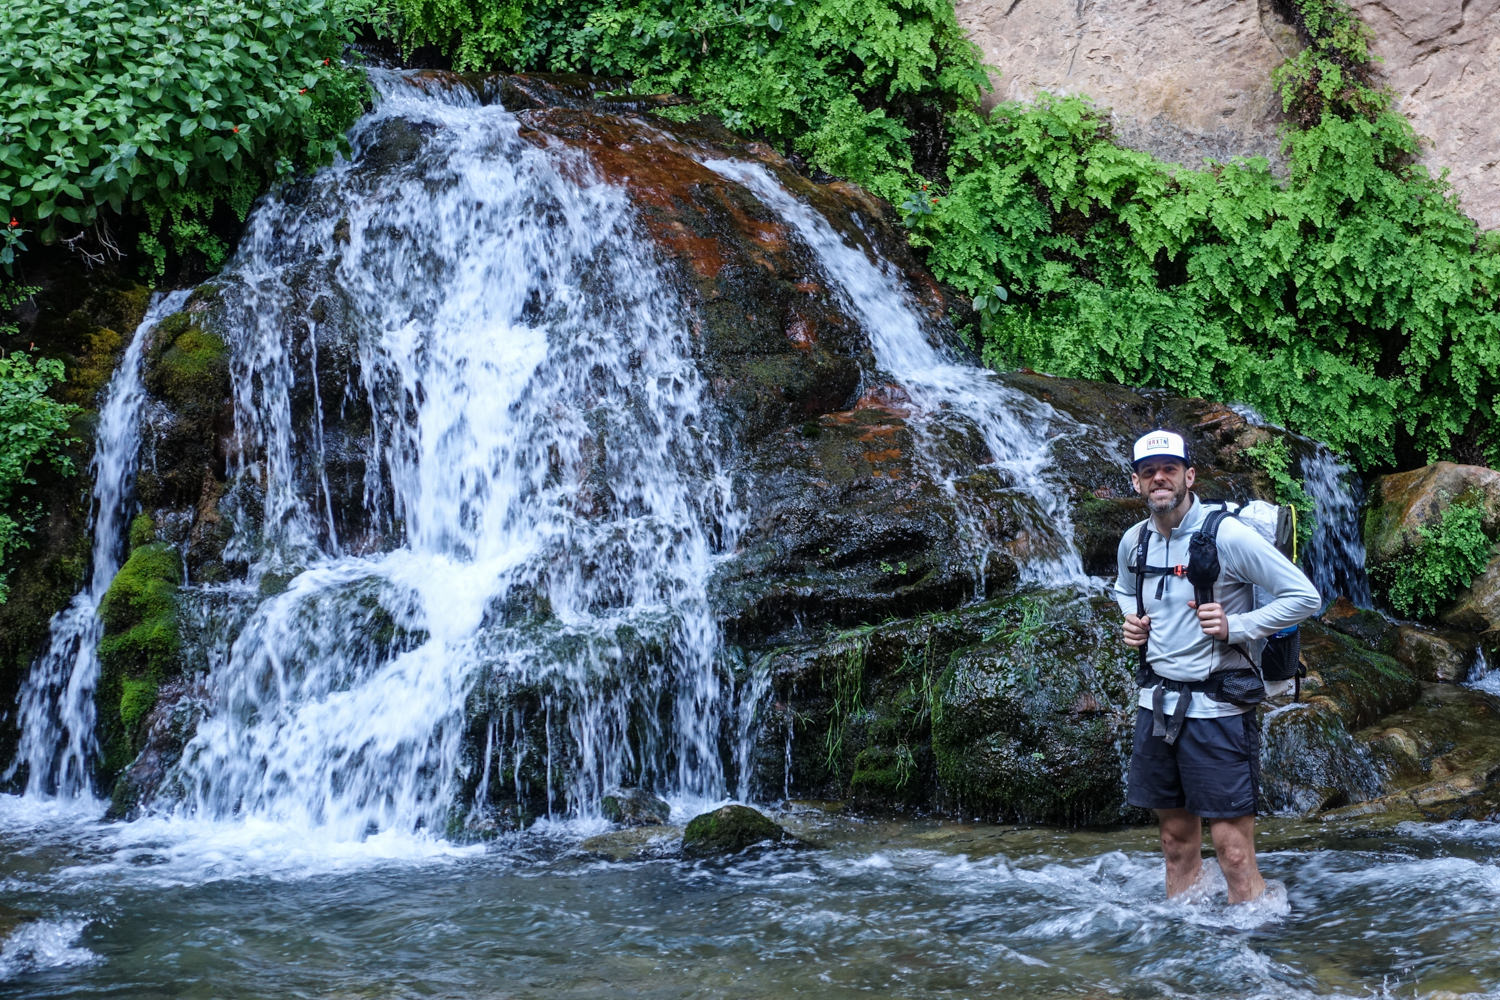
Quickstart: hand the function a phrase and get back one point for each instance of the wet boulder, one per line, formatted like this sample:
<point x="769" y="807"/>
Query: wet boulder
<point x="1015" y="708"/>
<point x="1441" y="655"/>
<point x="634" y="807"/>
<point x="1438" y="759"/>
<point x="1028" y="723"/>
<point x="1405" y="520"/>
<point x="1311" y="758"/>
<point x="1402" y="503"/>
<point x="729" y="830"/>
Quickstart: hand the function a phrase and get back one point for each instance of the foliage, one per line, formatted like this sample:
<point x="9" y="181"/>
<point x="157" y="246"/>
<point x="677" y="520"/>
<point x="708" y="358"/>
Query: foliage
<point x="166" y="111"/>
<point x="1446" y="559"/>
<point x="848" y="84"/>
<point x="34" y="432"/>
<point x="1351" y="302"/>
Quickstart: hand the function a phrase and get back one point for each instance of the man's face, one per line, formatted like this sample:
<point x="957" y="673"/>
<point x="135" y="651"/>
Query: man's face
<point x="1163" y="483"/>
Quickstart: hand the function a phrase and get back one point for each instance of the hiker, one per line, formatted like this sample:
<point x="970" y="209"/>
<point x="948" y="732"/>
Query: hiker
<point x="1197" y="741"/>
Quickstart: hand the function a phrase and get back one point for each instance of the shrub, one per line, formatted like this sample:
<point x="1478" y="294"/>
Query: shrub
<point x="1445" y="560"/>
<point x="34" y="432"/>
<point x="851" y="85"/>
<point x="1352" y="302"/>
<point x="165" y="111"/>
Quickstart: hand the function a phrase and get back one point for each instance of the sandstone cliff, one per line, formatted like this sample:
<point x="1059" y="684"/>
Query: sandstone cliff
<point x="1189" y="79"/>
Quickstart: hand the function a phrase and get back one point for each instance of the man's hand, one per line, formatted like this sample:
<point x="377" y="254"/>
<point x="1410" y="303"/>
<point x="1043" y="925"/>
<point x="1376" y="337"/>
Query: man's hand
<point x="1213" y="620"/>
<point x="1137" y="627"/>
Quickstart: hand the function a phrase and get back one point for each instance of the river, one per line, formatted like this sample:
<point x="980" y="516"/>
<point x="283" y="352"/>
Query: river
<point x="871" y="908"/>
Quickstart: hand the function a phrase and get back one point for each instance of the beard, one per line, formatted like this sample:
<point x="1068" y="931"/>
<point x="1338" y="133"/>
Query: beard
<point x="1160" y="507"/>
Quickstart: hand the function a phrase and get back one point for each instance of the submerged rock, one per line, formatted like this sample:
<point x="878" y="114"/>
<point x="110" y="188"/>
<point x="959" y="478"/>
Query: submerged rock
<point x="634" y="807"/>
<point x="729" y="830"/>
<point x="637" y="843"/>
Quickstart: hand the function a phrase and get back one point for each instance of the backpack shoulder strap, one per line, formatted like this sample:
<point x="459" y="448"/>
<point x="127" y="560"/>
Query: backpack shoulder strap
<point x="1139" y="568"/>
<point x="1203" y="564"/>
<point x="1143" y="670"/>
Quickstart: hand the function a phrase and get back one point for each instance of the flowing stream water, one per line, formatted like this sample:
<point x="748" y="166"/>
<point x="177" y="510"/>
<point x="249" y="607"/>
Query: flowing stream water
<point x="1336" y="552"/>
<point x="914" y="910"/>
<point x="543" y="501"/>
<point x="1018" y="432"/>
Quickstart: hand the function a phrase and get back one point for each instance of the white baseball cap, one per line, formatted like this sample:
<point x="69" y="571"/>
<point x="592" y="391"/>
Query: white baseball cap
<point x="1159" y="444"/>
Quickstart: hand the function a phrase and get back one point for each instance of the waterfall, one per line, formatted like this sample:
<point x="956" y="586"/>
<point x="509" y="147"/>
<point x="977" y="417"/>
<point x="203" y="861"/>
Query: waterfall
<point x="467" y="326"/>
<point x="56" y="701"/>
<point x="1483" y="677"/>
<point x="1335" y="556"/>
<point x="1018" y="431"/>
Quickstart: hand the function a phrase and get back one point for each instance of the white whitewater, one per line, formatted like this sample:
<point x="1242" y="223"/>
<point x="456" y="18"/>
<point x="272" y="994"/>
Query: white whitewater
<point x="544" y="504"/>
<point x="1018" y="431"/>
<point x="56" y="702"/>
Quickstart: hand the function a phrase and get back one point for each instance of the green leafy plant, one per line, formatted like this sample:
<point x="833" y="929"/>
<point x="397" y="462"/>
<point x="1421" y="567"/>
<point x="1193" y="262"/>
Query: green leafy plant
<point x="851" y="85"/>
<point x="1351" y="301"/>
<point x="1445" y="560"/>
<point x="34" y="432"/>
<point x="165" y="111"/>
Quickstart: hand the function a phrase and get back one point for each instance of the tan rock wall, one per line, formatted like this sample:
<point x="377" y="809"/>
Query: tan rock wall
<point x="1443" y="58"/>
<point x="1187" y="79"/>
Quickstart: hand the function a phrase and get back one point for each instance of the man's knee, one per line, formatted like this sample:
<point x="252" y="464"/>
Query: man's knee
<point x="1234" y="843"/>
<point x="1181" y="832"/>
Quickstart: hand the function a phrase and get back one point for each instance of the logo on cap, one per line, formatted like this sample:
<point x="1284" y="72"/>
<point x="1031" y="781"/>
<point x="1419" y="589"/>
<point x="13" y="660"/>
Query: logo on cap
<point x="1159" y="444"/>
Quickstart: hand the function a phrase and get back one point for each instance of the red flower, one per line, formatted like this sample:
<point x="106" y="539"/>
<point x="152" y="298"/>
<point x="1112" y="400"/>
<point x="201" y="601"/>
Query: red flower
<point x="325" y="62"/>
<point x="14" y="223"/>
<point x="236" y="130"/>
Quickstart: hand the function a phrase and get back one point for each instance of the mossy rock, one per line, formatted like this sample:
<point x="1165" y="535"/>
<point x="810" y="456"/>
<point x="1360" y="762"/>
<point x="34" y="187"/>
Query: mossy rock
<point x="1362" y="684"/>
<point x="634" y="807"/>
<point x="186" y="369"/>
<point x="891" y="777"/>
<point x="139" y="612"/>
<point x="189" y="368"/>
<point x="139" y="650"/>
<point x="1030" y="723"/>
<point x="729" y="830"/>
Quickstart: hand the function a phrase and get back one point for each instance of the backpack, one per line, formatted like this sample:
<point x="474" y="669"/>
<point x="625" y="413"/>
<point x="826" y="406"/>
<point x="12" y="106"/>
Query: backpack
<point x="1281" y="659"/>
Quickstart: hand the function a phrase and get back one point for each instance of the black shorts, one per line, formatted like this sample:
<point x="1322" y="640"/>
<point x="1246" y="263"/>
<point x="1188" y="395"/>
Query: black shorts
<point x="1213" y="770"/>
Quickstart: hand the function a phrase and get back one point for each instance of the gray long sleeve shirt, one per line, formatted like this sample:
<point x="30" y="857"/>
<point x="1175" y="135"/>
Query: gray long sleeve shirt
<point x="1176" y="646"/>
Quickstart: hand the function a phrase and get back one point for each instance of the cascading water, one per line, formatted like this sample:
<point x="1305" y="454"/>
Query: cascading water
<point x="56" y="703"/>
<point x="1336" y="554"/>
<point x="1018" y="431"/>
<point x="542" y="503"/>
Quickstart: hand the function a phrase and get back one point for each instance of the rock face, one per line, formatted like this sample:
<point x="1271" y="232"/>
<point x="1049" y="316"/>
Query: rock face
<point x="1185" y="80"/>
<point x="1442" y="57"/>
<point x="1192" y="78"/>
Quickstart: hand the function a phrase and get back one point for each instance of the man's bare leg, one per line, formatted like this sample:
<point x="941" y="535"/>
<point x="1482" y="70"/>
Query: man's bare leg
<point x="1234" y="845"/>
<point x="1182" y="847"/>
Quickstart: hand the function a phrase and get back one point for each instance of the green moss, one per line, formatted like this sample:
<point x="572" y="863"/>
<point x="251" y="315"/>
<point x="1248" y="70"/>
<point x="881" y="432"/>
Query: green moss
<point x="889" y="776"/>
<point x="140" y="613"/>
<point x="139" y="650"/>
<point x="190" y="369"/>
<point x="142" y="531"/>
<point x="137" y="698"/>
<point x="727" y="830"/>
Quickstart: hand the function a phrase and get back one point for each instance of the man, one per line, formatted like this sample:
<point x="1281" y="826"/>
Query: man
<point x="1197" y="743"/>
